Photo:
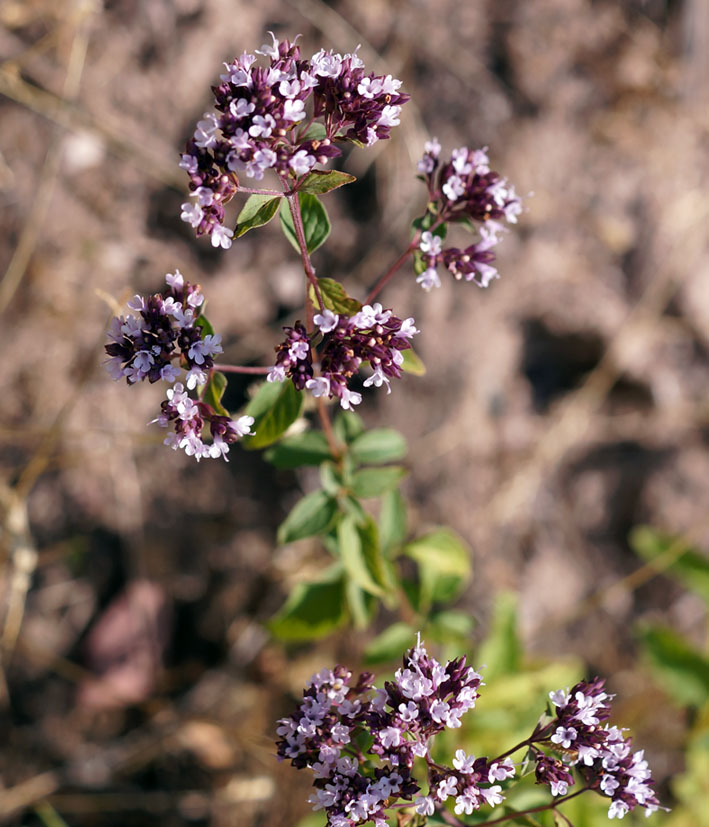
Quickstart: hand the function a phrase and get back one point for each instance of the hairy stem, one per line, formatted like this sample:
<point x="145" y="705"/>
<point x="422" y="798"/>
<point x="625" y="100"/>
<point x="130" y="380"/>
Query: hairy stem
<point x="241" y="369"/>
<point x="294" y="204"/>
<point x="252" y="191"/>
<point x="381" y="284"/>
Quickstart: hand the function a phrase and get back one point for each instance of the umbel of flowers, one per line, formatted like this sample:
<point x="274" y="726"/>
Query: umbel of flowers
<point x="164" y="338"/>
<point x="361" y="744"/>
<point x="463" y="190"/>
<point x="372" y="335"/>
<point x="286" y="116"/>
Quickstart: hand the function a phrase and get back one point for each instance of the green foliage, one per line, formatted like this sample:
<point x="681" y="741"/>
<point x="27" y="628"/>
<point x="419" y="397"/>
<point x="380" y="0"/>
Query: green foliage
<point x="412" y="363"/>
<point x="312" y="515"/>
<point x="205" y="324"/>
<point x="348" y="426"/>
<point x="313" y="610"/>
<point x="257" y="211"/>
<point x="316" y="224"/>
<point x="390" y="644"/>
<point x="214" y="391"/>
<point x="335" y="298"/>
<point x="444" y="565"/>
<point x="373" y="482"/>
<point x="275" y="408"/>
<point x="319" y="181"/>
<point x="378" y="446"/>
<point x="392" y="521"/>
<point x="309" y="448"/>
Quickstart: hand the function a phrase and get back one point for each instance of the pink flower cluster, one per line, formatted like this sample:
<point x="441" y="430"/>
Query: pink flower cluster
<point x="463" y="190"/>
<point x="286" y="117"/>
<point x="354" y="784"/>
<point x="371" y="336"/>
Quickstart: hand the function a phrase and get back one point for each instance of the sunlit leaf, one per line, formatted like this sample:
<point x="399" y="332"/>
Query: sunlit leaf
<point x="309" y="448"/>
<point x="312" y="610"/>
<point x="378" y="446"/>
<point x="273" y="421"/>
<point x="319" y="181"/>
<point x="311" y="515"/>
<point x="257" y="211"/>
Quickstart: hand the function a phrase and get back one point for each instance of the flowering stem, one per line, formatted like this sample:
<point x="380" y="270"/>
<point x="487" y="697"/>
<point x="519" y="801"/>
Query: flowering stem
<point x="324" y="416"/>
<point x="294" y="204"/>
<point x="552" y="805"/>
<point x="241" y="369"/>
<point x="379" y="286"/>
<point x="253" y="191"/>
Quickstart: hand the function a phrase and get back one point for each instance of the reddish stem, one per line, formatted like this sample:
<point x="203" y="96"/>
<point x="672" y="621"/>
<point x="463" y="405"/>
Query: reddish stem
<point x="381" y="284"/>
<point x="241" y="369"/>
<point x="294" y="204"/>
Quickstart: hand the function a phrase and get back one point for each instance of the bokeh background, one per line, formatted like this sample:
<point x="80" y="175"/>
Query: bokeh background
<point x="562" y="408"/>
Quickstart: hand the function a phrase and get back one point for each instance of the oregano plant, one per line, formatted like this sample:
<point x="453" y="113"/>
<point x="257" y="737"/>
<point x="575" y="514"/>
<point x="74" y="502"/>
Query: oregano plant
<point x="281" y="119"/>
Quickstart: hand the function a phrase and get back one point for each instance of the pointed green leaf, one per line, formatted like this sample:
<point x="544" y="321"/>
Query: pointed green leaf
<point x="373" y="482"/>
<point x="316" y="224"/>
<point x="355" y="558"/>
<point x="257" y="211"/>
<point x="362" y="605"/>
<point x="316" y="132"/>
<point x="309" y="448"/>
<point x="391" y="644"/>
<point x="412" y="363"/>
<point x="205" y="324"/>
<point x="444" y="565"/>
<point x="320" y="181"/>
<point x="312" y="610"/>
<point x="335" y="298"/>
<point x="311" y="515"/>
<point x="216" y="385"/>
<point x="348" y="426"/>
<point x="378" y="446"/>
<point x="392" y="521"/>
<point x="275" y="420"/>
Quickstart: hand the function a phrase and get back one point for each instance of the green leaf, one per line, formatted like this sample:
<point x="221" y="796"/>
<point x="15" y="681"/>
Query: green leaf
<point x="378" y="446"/>
<point x="330" y="479"/>
<point x="412" y="363"/>
<point x="316" y="224"/>
<point x="319" y="181"/>
<point x="316" y="132"/>
<point x="216" y="385"/>
<point x="681" y="669"/>
<point x="674" y="557"/>
<point x="391" y="644"/>
<point x="444" y="565"/>
<point x="257" y="211"/>
<point x="312" y="610"/>
<point x="362" y="605"/>
<point x="309" y="448"/>
<point x="276" y="419"/>
<point x="311" y="515"/>
<point x="335" y="298"/>
<point x="373" y="482"/>
<point x="392" y="520"/>
<point x="357" y="557"/>
<point x="502" y="649"/>
<point x="205" y="324"/>
<point x="264" y="399"/>
<point x="348" y="426"/>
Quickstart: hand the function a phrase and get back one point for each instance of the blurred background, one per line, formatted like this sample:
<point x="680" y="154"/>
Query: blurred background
<point x="562" y="427"/>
